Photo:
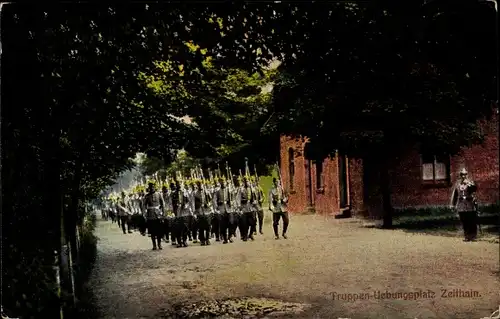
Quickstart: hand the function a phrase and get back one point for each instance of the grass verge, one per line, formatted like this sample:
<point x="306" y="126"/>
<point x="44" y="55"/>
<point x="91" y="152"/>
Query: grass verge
<point x="444" y="221"/>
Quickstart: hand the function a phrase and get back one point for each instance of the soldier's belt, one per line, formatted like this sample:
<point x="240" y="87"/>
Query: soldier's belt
<point x="155" y="207"/>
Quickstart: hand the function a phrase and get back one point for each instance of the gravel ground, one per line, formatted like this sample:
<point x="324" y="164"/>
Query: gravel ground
<point x="323" y="262"/>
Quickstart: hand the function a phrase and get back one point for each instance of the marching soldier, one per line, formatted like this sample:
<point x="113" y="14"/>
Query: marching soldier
<point x="184" y="216"/>
<point x="175" y="196"/>
<point x="125" y="214"/>
<point x="237" y="207"/>
<point x="154" y="203"/>
<point x="247" y="223"/>
<point x="192" y="221"/>
<point x="465" y="204"/>
<point x="141" y="216"/>
<point x="215" y="215"/>
<point x="167" y="222"/>
<point x="223" y="202"/>
<point x="201" y="201"/>
<point x="277" y="204"/>
<point x="219" y="203"/>
<point x="259" y="194"/>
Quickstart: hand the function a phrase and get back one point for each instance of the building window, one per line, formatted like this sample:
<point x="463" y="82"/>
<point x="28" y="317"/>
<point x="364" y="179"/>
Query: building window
<point x="319" y="174"/>
<point x="291" y="166"/>
<point x="435" y="168"/>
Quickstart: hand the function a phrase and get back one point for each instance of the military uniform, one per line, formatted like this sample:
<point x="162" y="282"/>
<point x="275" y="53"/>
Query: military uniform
<point x="192" y="221"/>
<point x="247" y="223"/>
<point x="154" y="203"/>
<point x="465" y="204"/>
<point x="184" y="217"/>
<point x="259" y="193"/>
<point x="168" y="212"/>
<point x="124" y="212"/>
<point x="223" y="203"/>
<point x="277" y="204"/>
<point x="202" y="214"/>
<point x="215" y="213"/>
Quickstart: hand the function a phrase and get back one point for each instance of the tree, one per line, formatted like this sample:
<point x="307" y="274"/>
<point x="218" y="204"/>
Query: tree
<point x="375" y="78"/>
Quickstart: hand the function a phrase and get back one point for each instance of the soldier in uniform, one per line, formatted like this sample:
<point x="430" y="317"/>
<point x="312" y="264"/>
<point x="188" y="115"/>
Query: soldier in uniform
<point x="219" y="208"/>
<point x="223" y="203"/>
<point x="184" y="217"/>
<point x="192" y="221"/>
<point x="277" y="204"/>
<point x="154" y="203"/>
<point x="167" y="222"/>
<point x="236" y="206"/>
<point x="141" y="216"/>
<point x="175" y="196"/>
<point x="465" y="204"/>
<point x="215" y="216"/>
<point x="258" y="206"/>
<point x="247" y="222"/>
<point x="202" y="213"/>
<point x="125" y="214"/>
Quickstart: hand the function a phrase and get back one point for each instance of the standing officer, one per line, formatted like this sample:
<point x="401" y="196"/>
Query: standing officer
<point x="277" y="204"/>
<point x="154" y="203"/>
<point x="465" y="204"/>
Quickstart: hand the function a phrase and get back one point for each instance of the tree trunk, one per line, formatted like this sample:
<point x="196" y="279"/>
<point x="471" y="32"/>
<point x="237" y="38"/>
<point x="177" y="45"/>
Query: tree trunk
<point x="385" y="187"/>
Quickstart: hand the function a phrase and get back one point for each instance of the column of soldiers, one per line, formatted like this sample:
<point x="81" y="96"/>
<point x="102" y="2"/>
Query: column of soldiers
<point x="199" y="209"/>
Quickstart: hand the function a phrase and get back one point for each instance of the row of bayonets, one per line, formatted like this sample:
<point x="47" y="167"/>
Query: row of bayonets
<point x="196" y="174"/>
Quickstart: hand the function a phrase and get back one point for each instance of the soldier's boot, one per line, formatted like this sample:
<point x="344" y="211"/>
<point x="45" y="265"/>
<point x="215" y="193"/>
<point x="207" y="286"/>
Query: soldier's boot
<point x="159" y="243"/>
<point x="284" y="236"/>
<point x="275" y="228"/>
<point x="154" y="244"/>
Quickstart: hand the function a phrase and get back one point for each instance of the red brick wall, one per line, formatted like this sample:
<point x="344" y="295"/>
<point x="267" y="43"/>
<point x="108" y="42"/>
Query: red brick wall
<point x="407" y="188"/>
<point x="480" y="160"/>
<point x="326" y="201"/>
<point x="298" y="197"/>
<point x="356" y="185"/>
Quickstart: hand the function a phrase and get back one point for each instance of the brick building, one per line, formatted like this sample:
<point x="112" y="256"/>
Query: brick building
<point x="416" y="180"/>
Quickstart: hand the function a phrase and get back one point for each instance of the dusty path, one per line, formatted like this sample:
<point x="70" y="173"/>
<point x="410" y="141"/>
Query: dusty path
<point x="321" y="258"/>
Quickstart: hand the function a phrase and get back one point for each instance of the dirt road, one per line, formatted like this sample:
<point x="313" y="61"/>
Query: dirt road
<point x="323" y="263"/>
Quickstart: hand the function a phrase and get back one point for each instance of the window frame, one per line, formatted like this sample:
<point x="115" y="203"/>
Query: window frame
<point x="319" y="178"/>
<point x="445" y="182"/>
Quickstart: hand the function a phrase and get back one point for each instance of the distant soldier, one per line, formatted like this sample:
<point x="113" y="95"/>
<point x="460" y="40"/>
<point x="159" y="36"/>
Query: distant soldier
<point x="184" y="216"/>
<point x="215" y="215"/>
<point x="202" y="214"/>
<point x="277" y="204"/>
<point x="236" y="207"/>
<point x="223" y="201"/>
<point x="154" y="203"/>
<point x="247" y="222"/>
<point x="125" y="214"/>
<point x="259" y="194"/>
<point x="167" y="222"/>
<point x="192" y="221"/>
<point x="141" y="218"/>
<point x="219" y="204"/>
<point x="175" y="196"/>
<point x="465" y="204"/>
